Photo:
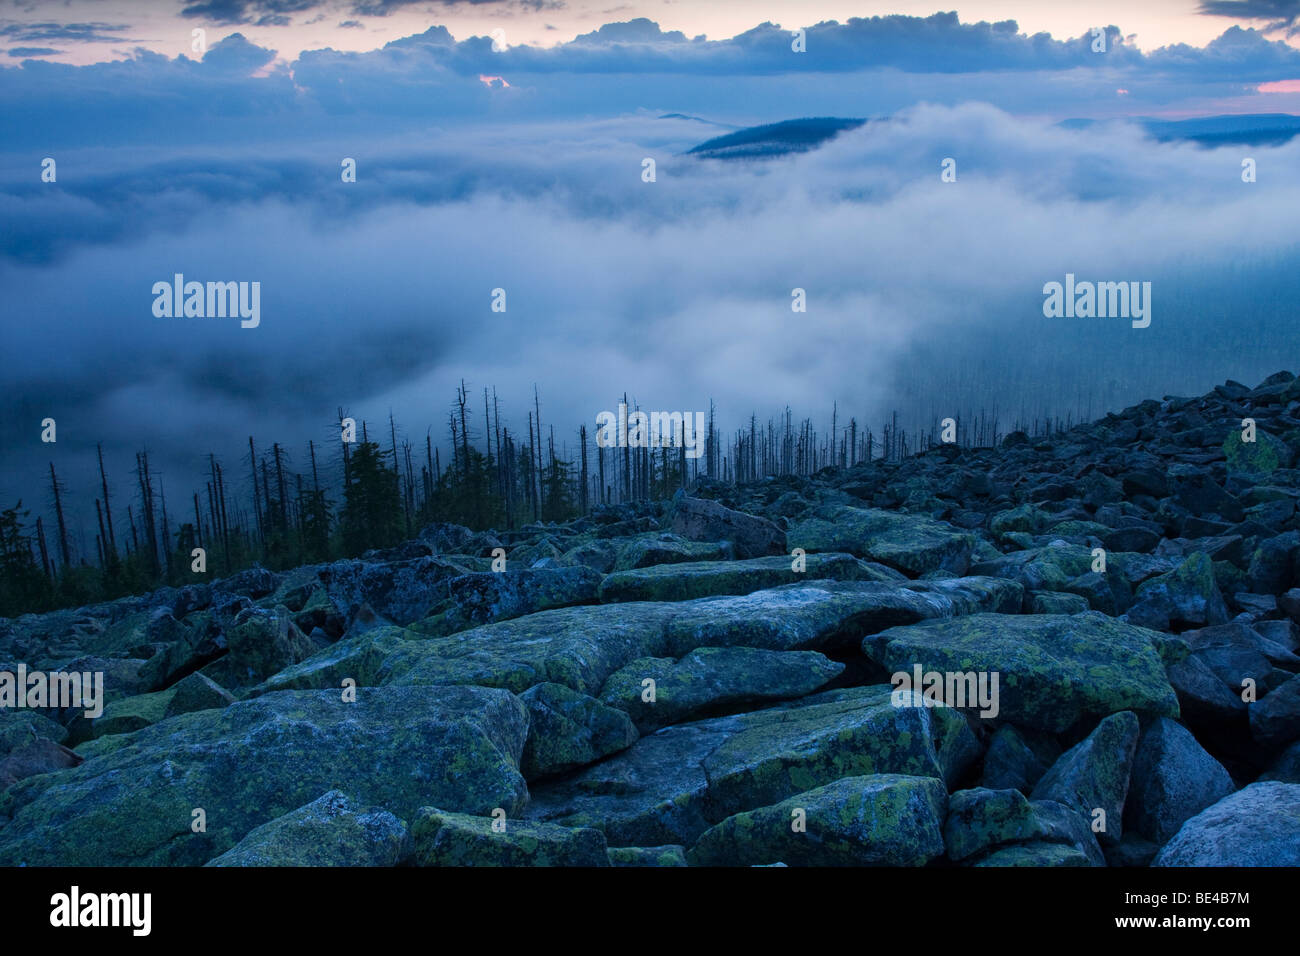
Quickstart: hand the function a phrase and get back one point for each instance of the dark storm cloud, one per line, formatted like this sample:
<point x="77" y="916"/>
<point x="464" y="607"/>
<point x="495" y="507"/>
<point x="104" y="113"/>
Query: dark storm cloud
<point x="1280" y="15"/>
<point x="256" y="12"/>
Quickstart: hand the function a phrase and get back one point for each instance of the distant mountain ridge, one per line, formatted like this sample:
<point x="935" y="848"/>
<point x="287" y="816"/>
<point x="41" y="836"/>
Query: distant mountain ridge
<point x="775" y="139"/>
<point x="802" y="135"/>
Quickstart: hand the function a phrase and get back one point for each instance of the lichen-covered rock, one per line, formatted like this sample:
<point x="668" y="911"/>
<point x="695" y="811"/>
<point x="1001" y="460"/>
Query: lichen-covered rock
<point x="357" y="657"/>
<point x="827" y="615"/>
<point x="456" y="839"/>
<point x="644" y="550"/>
<point x="133" y="803"/>
<point x="1017" y="759"/>
<point x="569" y="730"/>
<point x="578" y="647"/>
<point x="1037" y="854"/>
<point x="1057" y="602"/>
<point x="487" y="596"/>
<point x="872" y="820"/>
<point x="699" y="519"/>
<point x="329" y="831"/>
<point x="190" y="644"/>
<point x="698" y="579"/>
<point x="399" y="591"/>
<point x="1026" y="517"/>
<point x="264" y="642"/>
<point x="913" y="544"/>
<point x="17" y="727"/>
<point x="1265" y="455"/>
<point x="1053" y="671"/>
<point x="1094" y="774"/>
<point x="1187" y="595"/>
<point x="713" y="679"/>
<point x="1273" y="564"/>
<point x="196" y="692"/>
<point x="670" y="855"/>
<point x="1258" y="825"/>
<point x="980" y="818"/>
<point x="124" y="715"/>
<point x="670" y="786"/>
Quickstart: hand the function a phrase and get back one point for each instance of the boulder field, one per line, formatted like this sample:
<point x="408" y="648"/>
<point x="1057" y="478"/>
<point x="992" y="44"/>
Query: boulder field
<point x="1077" y="649"/>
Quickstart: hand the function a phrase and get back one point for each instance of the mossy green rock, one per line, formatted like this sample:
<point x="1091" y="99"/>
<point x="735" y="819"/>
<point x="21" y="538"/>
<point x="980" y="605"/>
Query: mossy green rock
<point x="264" y="642"/>
<point x="258" y="759"/>
<point x="1188" y="595"/>
<point x="826" y="615"/>
<point x="1094" y="774"/>
<point x="1057" y="602"/>
<point x="125" y="715"/>
<point x="578" y="647"/>
<point x="672" y="785"/>
<point x="581" y="647"/>
<point x="457" y="839"/>
<point x="329" y="831"/>
<point x="644" y="550"/>
<point x="1037" y="854"/>
<point x="1028" y="518"/>
<point x="670" y="855"/>
<point x="713" y="679"/>
<point x="1265" y="455"/>
<point x="569" y="730"/>
<point x="197" y="692"/>
<point x="872" y="820"/>
<point x="914" y="544"/>
<point x="357" y="657"/>
<point x="18" y="727"/>
<point x="1053" y="670"/>
<point x="980" y="818"/>
<point x="484" y="597"/>
<point x="697" y="579"/>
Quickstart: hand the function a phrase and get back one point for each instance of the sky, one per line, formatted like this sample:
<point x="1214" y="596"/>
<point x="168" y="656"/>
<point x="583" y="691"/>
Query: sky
<point x="82" y="31"/>
<point x="522" y="169"/>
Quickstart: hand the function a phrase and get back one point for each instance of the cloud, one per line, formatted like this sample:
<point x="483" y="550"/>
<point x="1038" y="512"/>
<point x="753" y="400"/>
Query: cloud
<point x="864" y="66"/>
<point x="1282" y="16"/>
<point x="376" y="295"/>
<point x="383" y="8"/>
<point x="26" y="51"/>
<point x="62" y="32"/>
<point x="257" y="12"/>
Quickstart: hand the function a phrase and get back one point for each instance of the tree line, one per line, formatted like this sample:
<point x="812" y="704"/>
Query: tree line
<point x="377" y="491"/>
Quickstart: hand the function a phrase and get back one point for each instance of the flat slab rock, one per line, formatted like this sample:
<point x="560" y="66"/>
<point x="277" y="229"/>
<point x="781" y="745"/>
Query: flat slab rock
<point x="1054" y="670"/>
<point x="1258" y="825"/>
<point x="671" y="786"/>
<point x="581" y="647"/>
<point x="914" y="544"/>
<point x="132" y="802"/>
